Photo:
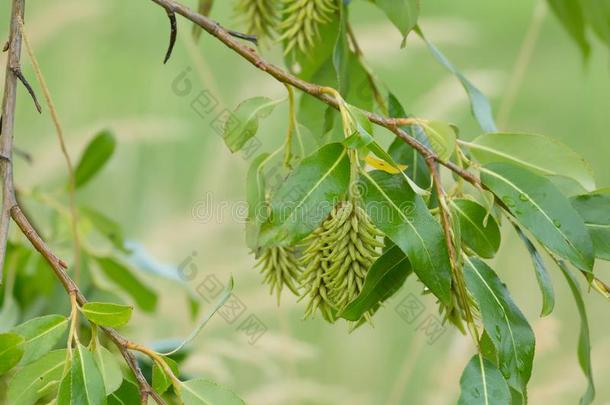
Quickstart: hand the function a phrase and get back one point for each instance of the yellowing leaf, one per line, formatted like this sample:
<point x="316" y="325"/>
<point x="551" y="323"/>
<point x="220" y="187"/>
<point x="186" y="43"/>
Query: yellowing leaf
<point x="383" y="165"/>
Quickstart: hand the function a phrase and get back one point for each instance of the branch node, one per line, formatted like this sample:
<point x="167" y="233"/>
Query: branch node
<point x="17" y="72"/>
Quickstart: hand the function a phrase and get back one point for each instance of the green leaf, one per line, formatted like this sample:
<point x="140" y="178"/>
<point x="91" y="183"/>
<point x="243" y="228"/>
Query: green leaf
<point x="584" y="340"/>
<point x="483" y="384"/>
<point x="542" y="275"/>
<point x="537" y="153"/>
<point x="36" y="379"/>
<point x="442" y="138"/>
<point x="403" y="153"/>
<point x="41" y="335"/>
<point x="383" y="279"/>
<point x="107" y="314"/>
<point x="403" y="216"/>
<point x="571" y="16"/>
<point x="243" y="122"/>
<point x="120" y="275"/>
<point x="64" y="392"/>
<point x="11" y="351"/>
<point x="94" y="158"/>
<point x="594" y="209"/>
<point x="308" y="195"/>
<point x="543" y="210"/>
<point x="504" y="323"/>
<point x="255" y="195"/>
<point x="341" y="51"/>
<point x="87" y="381"/>
<point x="481" y="237"/>
<point x="402" y="13"/>
<point x="160" y="380"/>
<point x="109" y="368"/>
<point x="105" y="226"/>
<point x="127" y="394"/>
<point x="204" y="392"/>
<point x="481" y="108"/>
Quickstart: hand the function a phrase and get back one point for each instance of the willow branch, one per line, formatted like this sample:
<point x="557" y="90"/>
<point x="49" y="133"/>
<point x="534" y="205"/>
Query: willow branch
<point x="314" y="90"/>
<point x="11" y="209"/>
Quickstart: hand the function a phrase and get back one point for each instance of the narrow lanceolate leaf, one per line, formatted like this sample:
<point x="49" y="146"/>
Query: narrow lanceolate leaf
<point x="481" y="108"/>
<point x="542" y="275"/>
<point x="594" y="209"/>
<point x="204" y="392"/>
<point x="160" y="380"/>
<point x="537" y="153"/>
<point x="11" y="351"/>
<point x="94" y="158"/>
<point x="107" y="314"/>
<point x="403" y="216"/>
<point x="383" y="279"/>
<point x="483" y="384"/>
<point x="504" y="323"/>
<point x="597" y="14"/>
<point x="571" y="16"/>
<point x="341" y="51"/>
<point x="124" y="278"/>
<point x="109" y="368"/>
<point x="87" y="381"/>
<point x="543" y="210"/>
<point x="41" y="335"/>
<point x="308" y="195"/>
<point x="35" y="380"/>
<point x="255" y="196"/>
<point x="480" y="236"/>
<point x="402" y="13"/>
<point x="127" y="394"/>
<point x="584" y="341"/>
<point x="243" y="123"/>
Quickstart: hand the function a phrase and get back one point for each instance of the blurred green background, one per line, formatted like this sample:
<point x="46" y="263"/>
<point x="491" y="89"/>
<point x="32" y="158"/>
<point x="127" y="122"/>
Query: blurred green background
<point x="102" y="61"/>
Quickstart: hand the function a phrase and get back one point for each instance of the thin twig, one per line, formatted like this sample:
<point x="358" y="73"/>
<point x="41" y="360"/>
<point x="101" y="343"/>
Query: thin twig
<point x="64" y="150"/>
<point x="11" y="209"/>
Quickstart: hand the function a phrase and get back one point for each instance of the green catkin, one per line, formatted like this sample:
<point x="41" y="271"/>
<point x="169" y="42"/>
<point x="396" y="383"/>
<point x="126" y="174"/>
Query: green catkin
<point x="280" y="268"/>
<point x="338" y="257"/>
<point x="260" y="16"/>
<point x="301" y="20"/>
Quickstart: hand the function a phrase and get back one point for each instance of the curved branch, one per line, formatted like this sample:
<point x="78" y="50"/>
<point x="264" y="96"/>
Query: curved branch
<point x="249" y="54"/>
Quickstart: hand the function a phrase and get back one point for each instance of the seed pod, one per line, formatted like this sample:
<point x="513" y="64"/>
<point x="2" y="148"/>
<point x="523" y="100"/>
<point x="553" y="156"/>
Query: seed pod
<point x="260" y="16"/>
<point x="338" y="257"/>
<point x="280" y="268"/>
<point x="301" y="20"/>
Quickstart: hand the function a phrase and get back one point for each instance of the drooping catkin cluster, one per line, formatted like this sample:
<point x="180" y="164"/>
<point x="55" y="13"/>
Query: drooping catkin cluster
<point x="260" y="16"/>
<point x="280" y="267"/>
<point x="301" y="20"/>
<point x="337" y="259"/>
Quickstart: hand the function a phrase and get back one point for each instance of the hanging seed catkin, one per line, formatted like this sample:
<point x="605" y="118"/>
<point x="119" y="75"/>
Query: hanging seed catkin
<point x="280" y="268"/>
<point x="301" y="20"/>
<point x="338" y="257"/>
<point x="260" y="16"/>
